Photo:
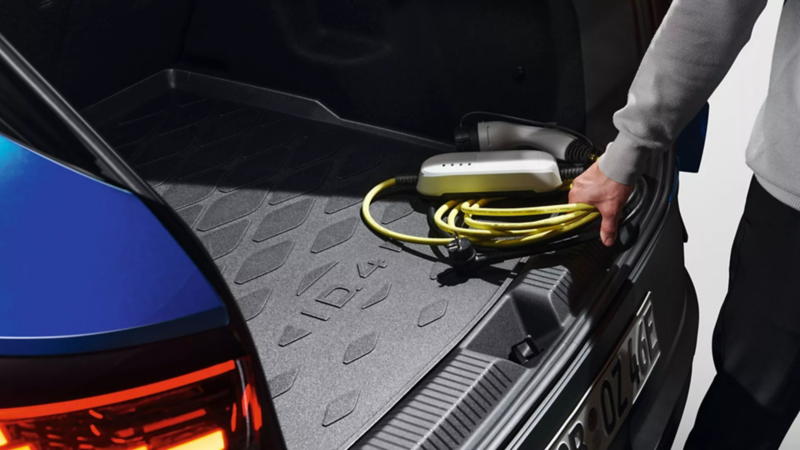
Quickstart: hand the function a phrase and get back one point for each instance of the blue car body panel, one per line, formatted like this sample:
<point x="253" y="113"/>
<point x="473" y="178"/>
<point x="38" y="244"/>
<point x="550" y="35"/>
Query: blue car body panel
<point x="86" y="266"/>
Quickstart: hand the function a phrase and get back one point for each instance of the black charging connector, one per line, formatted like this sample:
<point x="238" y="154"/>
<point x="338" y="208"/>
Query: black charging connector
<point x="466" y="138"/>
<point x="461" y="252"/>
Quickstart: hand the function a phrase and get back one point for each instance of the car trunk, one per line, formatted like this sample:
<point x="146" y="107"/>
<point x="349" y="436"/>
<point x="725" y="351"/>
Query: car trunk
<point x="264" y="123"/>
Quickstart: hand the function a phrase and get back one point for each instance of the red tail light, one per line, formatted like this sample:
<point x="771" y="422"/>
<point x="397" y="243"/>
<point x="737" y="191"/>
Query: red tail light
<point x="211" y="409"/>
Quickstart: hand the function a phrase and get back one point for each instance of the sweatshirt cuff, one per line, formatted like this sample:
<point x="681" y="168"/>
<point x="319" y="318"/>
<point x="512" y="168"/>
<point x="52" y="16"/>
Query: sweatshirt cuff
<point x="624" y="161"/>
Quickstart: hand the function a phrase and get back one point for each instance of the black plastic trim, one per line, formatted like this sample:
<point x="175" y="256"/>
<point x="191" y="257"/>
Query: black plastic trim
<point x="444" y="407"/>
<point x="509" y="416"/>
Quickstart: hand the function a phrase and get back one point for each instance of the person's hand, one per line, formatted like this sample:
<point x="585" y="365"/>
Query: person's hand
<point x="605" y="194"/>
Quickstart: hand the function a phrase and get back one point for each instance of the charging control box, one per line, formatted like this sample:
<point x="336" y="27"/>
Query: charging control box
<point x="509" y="171"/>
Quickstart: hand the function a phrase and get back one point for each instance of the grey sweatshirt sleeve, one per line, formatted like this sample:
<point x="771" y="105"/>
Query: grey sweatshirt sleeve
<point x="688" y="57"/>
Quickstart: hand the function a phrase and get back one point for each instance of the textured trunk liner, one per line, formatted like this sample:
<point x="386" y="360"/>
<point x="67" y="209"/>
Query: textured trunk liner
<point x="345" y="323"/>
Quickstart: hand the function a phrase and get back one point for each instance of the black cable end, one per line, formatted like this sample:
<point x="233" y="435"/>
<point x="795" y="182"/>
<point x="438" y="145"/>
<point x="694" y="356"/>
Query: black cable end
<point x="466" y="138"/>
<point x="570" y="171"/>
<point x="406" y="180"/>
<point x="580" y="152"/>
<point x="461" y="252"/>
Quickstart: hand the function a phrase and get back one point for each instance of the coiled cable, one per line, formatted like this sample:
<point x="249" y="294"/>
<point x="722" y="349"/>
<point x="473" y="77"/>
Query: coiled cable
<point x="471" y="223"/>
<point x="487" y="233"/>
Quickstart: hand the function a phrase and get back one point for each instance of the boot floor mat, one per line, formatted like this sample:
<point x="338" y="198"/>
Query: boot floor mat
<point x="345" y="322"/>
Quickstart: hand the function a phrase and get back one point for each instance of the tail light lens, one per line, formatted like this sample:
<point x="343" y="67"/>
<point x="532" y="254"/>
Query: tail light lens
<point x="211" y="409"/>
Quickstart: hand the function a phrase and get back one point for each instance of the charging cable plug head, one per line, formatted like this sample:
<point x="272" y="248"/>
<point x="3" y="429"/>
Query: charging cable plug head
<point x="461" y="252"/>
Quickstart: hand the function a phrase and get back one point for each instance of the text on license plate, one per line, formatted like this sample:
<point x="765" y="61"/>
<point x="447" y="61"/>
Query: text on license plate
<point x="602" y="411"/>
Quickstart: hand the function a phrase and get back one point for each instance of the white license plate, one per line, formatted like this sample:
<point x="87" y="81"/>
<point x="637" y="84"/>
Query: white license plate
<point x="606" y="405"/>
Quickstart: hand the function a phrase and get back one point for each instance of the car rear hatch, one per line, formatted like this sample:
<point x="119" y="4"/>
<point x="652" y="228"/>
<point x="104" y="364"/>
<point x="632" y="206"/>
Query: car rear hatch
<point x="263" y="125"/>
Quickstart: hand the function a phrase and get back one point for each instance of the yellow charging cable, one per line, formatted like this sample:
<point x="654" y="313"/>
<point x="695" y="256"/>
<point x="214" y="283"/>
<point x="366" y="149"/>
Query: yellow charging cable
<point x="489" y="233"/>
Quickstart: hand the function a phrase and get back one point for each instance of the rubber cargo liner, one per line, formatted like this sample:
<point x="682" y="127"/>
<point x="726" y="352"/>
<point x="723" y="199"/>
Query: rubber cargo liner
<point x="345" y="323"/>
